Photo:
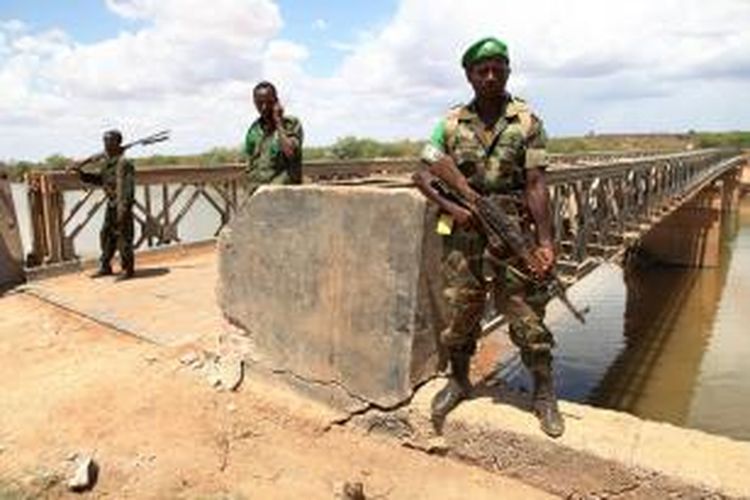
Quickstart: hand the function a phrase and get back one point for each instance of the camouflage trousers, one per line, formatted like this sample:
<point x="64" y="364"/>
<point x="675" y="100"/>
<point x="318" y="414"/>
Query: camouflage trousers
<point x="117" y="237"/>
<point x="473" y="277"/>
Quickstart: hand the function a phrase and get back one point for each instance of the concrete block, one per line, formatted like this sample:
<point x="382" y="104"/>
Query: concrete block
<point x="338" y="287"/>
<point x="11" y="252"/>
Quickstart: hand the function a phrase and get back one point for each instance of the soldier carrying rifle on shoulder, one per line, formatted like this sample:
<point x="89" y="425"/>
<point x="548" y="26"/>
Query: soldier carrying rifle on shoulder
<point x="117" y="177"/>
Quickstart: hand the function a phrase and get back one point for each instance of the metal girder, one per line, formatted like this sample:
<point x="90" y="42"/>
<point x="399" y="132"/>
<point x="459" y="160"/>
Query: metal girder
<point x="601" y="202"/>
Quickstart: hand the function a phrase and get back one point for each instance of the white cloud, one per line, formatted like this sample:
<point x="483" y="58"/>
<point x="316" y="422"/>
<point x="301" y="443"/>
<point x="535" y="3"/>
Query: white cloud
<point x="188" y="53"/>
<point x="320" y="24"/>
<point x="13" y="26"/>
<point x="187" y="44"/>
<point x="584" y="64"/>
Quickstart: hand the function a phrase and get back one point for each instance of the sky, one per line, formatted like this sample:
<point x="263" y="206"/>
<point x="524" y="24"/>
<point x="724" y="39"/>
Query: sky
<point x="386" y="69"/>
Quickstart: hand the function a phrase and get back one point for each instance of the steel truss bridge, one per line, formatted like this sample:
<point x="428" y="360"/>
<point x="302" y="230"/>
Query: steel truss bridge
<point x="601" y="203"/>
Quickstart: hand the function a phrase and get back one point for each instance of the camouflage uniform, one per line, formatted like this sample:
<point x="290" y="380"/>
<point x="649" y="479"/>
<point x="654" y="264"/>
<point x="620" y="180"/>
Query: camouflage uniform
<point x="267" y="164"/>
<point x="117" y="178"/>
<point x="494" y="161"/>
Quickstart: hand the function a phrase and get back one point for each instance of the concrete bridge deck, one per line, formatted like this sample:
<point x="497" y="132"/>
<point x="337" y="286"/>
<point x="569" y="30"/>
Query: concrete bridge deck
<point x="171" y="303"/>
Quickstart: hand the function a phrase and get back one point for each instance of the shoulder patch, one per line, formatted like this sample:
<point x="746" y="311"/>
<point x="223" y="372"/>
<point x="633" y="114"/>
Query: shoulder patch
<point x="454" y="113"/>
<point x="451" y="123"/>
<point x="519" y="108"/>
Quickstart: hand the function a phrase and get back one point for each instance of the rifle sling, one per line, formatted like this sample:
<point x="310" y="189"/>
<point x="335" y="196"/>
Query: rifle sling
<point x="488" y="148"/>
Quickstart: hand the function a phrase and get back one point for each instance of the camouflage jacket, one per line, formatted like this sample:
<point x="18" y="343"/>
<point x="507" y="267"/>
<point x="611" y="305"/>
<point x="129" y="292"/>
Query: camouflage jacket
<point x="117" y="177"/>
<point x="493" y="159"/>
<point x="266" y="163"/>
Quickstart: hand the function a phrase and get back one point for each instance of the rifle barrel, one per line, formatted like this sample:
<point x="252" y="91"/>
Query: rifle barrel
<point x="145" y="141"/>
<point x="150" y="139"/>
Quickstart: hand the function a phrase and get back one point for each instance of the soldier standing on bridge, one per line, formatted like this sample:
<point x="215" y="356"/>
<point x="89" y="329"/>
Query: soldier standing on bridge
<point x="273" y="142"/>
<point x="498" y="144"/>
<point x="117" y="178"/>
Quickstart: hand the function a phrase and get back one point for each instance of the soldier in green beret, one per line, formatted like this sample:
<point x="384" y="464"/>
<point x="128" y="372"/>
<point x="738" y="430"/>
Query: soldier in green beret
<point x="498" y="144"/>
<point x="273" y="143"/>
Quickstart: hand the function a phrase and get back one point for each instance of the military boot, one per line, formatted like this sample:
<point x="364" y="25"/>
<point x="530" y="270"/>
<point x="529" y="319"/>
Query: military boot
<point x="128" y="268"/>
<point x="101" y="272"/>
<point x="544" y="400"/>
<point x="126" y="274"/>
<point x="456" y="390"/>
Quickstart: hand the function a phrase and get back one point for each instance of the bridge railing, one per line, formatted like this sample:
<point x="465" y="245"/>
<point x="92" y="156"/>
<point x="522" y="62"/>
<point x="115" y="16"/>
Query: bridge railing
<point x="600" y="209"/>
<point x="598" y="201"/>
<point x="164" y="198"/>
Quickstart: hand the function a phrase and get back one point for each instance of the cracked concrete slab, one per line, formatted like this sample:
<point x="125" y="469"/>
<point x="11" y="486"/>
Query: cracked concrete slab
<point x="352" y="317"/>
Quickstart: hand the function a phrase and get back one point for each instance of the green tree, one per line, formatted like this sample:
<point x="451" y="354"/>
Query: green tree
<point x="220" y="156"/>
<point x="56" y="162"/>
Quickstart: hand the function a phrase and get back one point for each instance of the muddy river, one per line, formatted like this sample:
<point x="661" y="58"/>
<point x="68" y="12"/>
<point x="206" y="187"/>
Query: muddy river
<point x="664" y="343"/>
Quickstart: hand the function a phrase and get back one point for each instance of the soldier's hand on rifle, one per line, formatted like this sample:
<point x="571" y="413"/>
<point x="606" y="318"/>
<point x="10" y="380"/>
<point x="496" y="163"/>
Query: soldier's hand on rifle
<point x="463" y="217"/>
<point x="545" y="255"/>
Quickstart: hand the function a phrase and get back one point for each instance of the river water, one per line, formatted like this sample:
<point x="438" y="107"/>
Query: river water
<point x="666" y="344"/>
<point x="663" y="343"/>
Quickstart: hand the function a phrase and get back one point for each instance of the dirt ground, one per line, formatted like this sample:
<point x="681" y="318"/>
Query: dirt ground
<point x="157" y="429"/>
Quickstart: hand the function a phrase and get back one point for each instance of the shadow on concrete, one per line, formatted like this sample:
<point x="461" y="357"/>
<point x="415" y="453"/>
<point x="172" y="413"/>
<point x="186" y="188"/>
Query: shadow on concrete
<point x="494" y="386"/>
<point x="184" y="266"/>
<point x="150" y="272"/>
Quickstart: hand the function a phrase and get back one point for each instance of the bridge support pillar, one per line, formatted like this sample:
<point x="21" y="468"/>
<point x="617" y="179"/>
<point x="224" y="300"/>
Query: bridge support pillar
<point x="338" y="289"/>
<point x="11" y="253"/>
<point x="745" y="177"/>
<point x="692" y="235"/>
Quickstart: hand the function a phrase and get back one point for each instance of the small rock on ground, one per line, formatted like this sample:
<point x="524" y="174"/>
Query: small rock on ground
<point x="84" y="476"/>
<point x="350" y="491"/>
<point x="190" y="358"/>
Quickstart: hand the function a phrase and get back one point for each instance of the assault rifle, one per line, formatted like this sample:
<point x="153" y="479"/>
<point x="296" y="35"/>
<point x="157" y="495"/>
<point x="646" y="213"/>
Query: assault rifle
<point x="145" y="141"/>
<point x="500" y="229"/>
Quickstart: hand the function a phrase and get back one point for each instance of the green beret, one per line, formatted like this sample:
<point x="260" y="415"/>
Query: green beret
<point x="484" y="48"/>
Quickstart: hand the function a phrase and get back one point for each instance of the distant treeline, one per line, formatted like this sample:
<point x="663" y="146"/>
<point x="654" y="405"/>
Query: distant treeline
<point x="353" y="148"/>
<point x="649" y="142"/>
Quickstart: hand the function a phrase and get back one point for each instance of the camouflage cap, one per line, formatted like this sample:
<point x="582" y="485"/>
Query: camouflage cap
<point x="484" y="48"/>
